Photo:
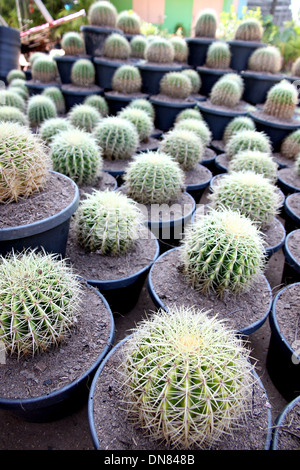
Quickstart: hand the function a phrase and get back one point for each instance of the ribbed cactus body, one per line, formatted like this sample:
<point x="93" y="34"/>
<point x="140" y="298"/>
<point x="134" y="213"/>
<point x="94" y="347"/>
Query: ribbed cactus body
<point x="12" y="114"/>
<point x="72" y="43"/>
<point x="84" y="117"/>
<point x="281" y="100"/>
<point x="223" y="250"/>
<point x="184" y="146"/>
<point x="199" y="127"/>
<point x="225" y="93"/>
<point x="117" y="137"/>
<point x="40" y="298"/>
<point x="265" y="59"/>
<point x="83" y="73"/>
<point x="238" y="124"/>
<point x="248" y="140"/>
<point x="160" y="50"/>
<point x="218" y="55"/>
<point x="141" y="120"/>
<point x="15" y="73"/>
<point x="44" y="69"/>
<point x="175" y="85"/>
<point x="249" y="30"/>
<point x="180" y="48"/>
<point x="143" y="104"/>
<point x="195" y="79"/>
<point x="236" y="78"/>
<point x="138" y="46"/>
<point x="129" y="22"/>
<point x="116" y="46"/>
<point x="98" y="102"/>
<point x="188" y="113"/>
<point x="53" y="126"/>
<point x="58" y="98"/>
<point x="40" y="108"/>
<point x="186" y="378"/>
<point x="18" y="83"/>
<point x="290" y="146"/>
<point x="258" y="162"/>
<point x="9" y="97"/>
<point x="102" y="13"/>
<point x="127" y="79"/>
<point x="295" y="70"/>
<point x="206" y="24"/>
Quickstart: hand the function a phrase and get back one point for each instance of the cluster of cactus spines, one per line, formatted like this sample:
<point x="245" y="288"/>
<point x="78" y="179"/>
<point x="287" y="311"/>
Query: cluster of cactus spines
<point x="188" y="113"/>
<point x="20" y="83"/>
<point x="129" y="22"/>
<point x="248" y="140"/>
<point x="290" y="146"/>
<point x="223" y="251"/>
<point x="145" y="105"/>
<point x="10" y="97"/>
<point x="153" y="178"/>
<point x="44" y="69"/>
<point x="40" y="108"/>
<point x="297" y="164"/>
<point x="102" y="13"/>
<point x="237" y="124"/>
<point x="72" y="43"/>
<point x="74" y="153"/>
<point x="127" y="79"/>
<point x="15" y="73"/>
<point x="117" y="137"/>
<point x="186" y="377"/>
<point x="57" y="96"/>
<point x="40" y="299"/>
<point x="83" y="73"/>
<point x="107" y="222"/>
<point x="160" y="50"/>
<point x="84" y="117"/>
<point x="175" y="85"/>
<point x="36" y="55"/>
<point x="51" y="127"/>
<point x="236" y="78"/>
<point x="12" y="114"/>
<point x="206" y="24"/>
<point x="24" y="162"/>
<point x="180" y="48"/>
<point x="250" y="193"/>
<point x="195" y="79"/>
<point x="184" y="146"/>
<point x="258" y="162"/>
<point x="199" y="127"/>
<point x="265" y="59"/>
<point x="281" y="100"/>
<point x="218" y="55"/>
<point x="21" y="91"/>
<point x="138" y="46"/>
<point x="141" y="120"/>
<point x="250" y="29"/>
<point x="225" y="93"/>
<point x="295" y="70"/>
<point x="98" y="102"/>
<point x="116" y="46"/>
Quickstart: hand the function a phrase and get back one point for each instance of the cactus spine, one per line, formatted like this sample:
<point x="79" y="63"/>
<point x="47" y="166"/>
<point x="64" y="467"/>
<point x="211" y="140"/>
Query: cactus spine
<point x="83" y="73"/>
<point x="175" y="85"/>
<point x="265" y="59"/>
<point x="282" y="100"/>
<point x="237" y="124"/>
<point x="225" y="93"/>
<point x="116" y="46"/>
<point x="127" y="79"/>
<point x="184" y="146"/>
<point x="40" y="108"/>
<point x="141" y="120"/>
<point x="218" y="55"/>
<point x="249" y="30"/>
<point x="84" y="117"/>
<point x="102" y="13"/>
<point x="73" y="44"/>
<point x="206" y="24"/>
<point x="290" y="146"/>
<point x="129" y="22"/>
<point x="160" y="50"/>
<point x="44" y="69"/>
<point x="258" y="162"/>
<point x="248" y="140"/>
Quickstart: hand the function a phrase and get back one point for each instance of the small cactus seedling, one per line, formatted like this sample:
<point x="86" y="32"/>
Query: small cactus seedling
<point x="153" y="178"/>
<point x="195" y="79"/>
<point x="40" y="108"/>
<point x="117" y="137"/>
<point x="175" y="85"/>
<point x="107" y="222"/>
<point x="225" y="93"/>
<point x="295" y="70"/>
<point x="199" y="127"/>
<point x="9" y="97"/>
<point x="223" y="251"/>
<point x="40" y="299"/>
<point x="218" y="55"/>
<point x="145" y="105"/>
<point x="15" y="73"/>
<point x="84" y="117"/>
<point x="127" y="79"/>
<point x="74" y="153"/>
<point x="237" y="124"/>
<point x="258" y="162"/>
<point x="290" y="146"/>
<point x="116" y="46"/>
<point x="23" y="160"/>
<point x="184" y="146"/>
<point x="141" y="120"/>
<point x="248" y="140"/>
<point x="12" y="114"/>
<point x="83" y="73"/>
<point x="186" y="378"/>
<point x="160" y="50"/>
<point x="129" y="22"/>
<point x="250" y="29"/>
<point x="180" y="48"/>
<point x="265" y="59"/>
<point x="188" y="113"/>
<point x="98" y="102"/>
<point x="44" y="69"/>
<point x="53" y="126"/>
<point x="138" y="46"/>
<point x="282" y="100"/>
<point x="73" y="44"/>
<point x="56" y="95"/>
<point x="249" y="193"/>
<point x="102" y="13"/>
<point x="206" y="24"/>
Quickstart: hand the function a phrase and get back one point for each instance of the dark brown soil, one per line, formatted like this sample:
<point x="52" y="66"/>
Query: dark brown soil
<point x="120" y="95"/>
<point x="152" y="144"/>
<point x="115" y="165"/>
<point x="241" y="107"/>
<point x="219" y="144"/>
<point x="288" y="315"/>
<point x="293" y="244"/>
<point x="281" y="160"/>
<point x="289" y="176"/>
<point x="80" y="89"/>
<point x="169" y="99"/>
<point x="199" y="174"/>
<point x="294" y="204"/>
<point x="288" y="432"/>
<point x="294" y="121"/>
<point x="209" y="155"/>
<point x="103" y="183"/>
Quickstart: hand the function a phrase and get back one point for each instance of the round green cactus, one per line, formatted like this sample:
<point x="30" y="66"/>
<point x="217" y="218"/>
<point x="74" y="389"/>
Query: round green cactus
<point x="84" y="117"/>
<point x="116" y="46"/>
<point x="9" y="97"/>
<point x="83" y="73"/>
<point x="184" y="146"/>
<point x="24" y="94"/>
<point x="40" y="298"/>
<point x="107" y="222"/>
<point x="36" y="55"/>
<point x="249" y="193"/>
<point x="237" y="124"/>
<point x="218" y="55"/>
<point x="74" y="153"/>
<point x="145" y="105"/>
<point x="40" y="108"/>
<point x="195" y="79"/>
<point x="160" y="50"/>
<point x="199" y="127"/>
<point x="44" y="69"/>
<point x="180" y="48"/>
<point x="223" y="250"/>
<point x="24" y="162"/>
<point x="127" y="79"/>
<point x="141" y="120"/>
<point x="248" y="140"/>
<point x="175" y="85"/>
<point x="265" y="59"/>
<point x="282" y="100"/>
<point x="129" y="22"/>
<point x="102" y="13"/>
<point x="138" y="46"/>
<point x="236" y="78"/>
<point x="12" y="114"/>
<point x="98" y="102"/>
<point x="177" y="398"/>
<point x="15" y="73"/>
<point x="290" y="146"/>
<point x="258" y="162"/>
<point x="72" y="43"/>
<point x="53" y="126"/>
<point x="56" y="95"/>
<point x="153" y="177"/>
<point x="206" y="24"/>
<point x="19" y="83"/>
<point x="295" y="70"/>
<point x="188" y="113"/>
<point x="250" y="29"/>
<point x="117" y="137"/>
<point x="225" y="93"/>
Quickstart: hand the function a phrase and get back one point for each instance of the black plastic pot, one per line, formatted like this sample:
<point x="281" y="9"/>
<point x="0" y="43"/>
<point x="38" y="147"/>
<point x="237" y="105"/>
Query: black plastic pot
<point x="196" y="190"/>
<point x="36" y="88"/>
<point x="64" y="66"/>
<point x="167" y="111"/>
<point x="240" y="53"/>
<point x="209" y="159"/>
<point x="50" y="233"/>
<point x="10" y="49"/>
<point x="209" y="77"/>
<point x="292" y="220"/>
<point x="198" y="50"/>
<point x="105" y="69"/>
<point x="282" y="424"/>
<point x="64" y="401"/>
<point x="283" y="362"/>
<point x="291" y="269"/>
<point x="73" y="96"/>
<point x="116" y="102"/>
<point x="152" y="74"/>
<point x="220" y="165"/>
<point x="286" y="186"/>
<point x="257" y="85"/>
<point x="95" y="37"/>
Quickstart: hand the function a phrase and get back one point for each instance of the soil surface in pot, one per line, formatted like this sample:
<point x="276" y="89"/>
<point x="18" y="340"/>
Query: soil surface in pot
<point x="57" y="194"/>
<point x="129" y="96"/>
<point x="288" y="431"/>
<point x="268" y="119"/>
<point x="116" y="432"/>
<point x="290" y="177"/>
<point x="150" y="144"/>
<point x="173" y="101"/>
<point x="80" y="89"/>
<point x="103" y="183"/>
<point x="199" y="174"/>
<point x="294" y="203"/>
<point x="49" y="371"/>
<point x="288" y="316"/>
<point x="219" y="144"/>
<point x="170" y="285"/>
<point x="241" y="107"/>
<point x="281" y="160"/>
<point x="293" y="244"/>
<point x="209" y="155"/>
